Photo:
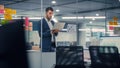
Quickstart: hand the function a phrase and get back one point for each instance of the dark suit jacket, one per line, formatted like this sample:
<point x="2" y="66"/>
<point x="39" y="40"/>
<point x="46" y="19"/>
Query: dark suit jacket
<point x="46" y="35"/>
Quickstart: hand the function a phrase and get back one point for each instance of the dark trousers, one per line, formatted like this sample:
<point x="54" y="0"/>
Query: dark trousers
<point x="49" y="49"/>
<point x="53" y="46"/>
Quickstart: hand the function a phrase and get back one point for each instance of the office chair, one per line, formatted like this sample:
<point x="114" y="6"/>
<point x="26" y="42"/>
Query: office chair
<point x="12" y="46"/>
<point x="69" y="57"/>
<point x="104" y="57"/>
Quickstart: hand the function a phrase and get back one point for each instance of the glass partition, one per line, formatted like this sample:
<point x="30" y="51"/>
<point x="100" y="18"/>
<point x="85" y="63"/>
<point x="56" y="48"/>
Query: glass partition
<point x="95" y="19"/>
<point x="67" y="36"/>
<point x="53" y="23"/>
<point x="112" y="24"/>
<point x="87" y="22"/>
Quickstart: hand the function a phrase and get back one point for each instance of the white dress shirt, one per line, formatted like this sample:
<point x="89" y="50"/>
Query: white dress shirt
<point x="50" y="26"/>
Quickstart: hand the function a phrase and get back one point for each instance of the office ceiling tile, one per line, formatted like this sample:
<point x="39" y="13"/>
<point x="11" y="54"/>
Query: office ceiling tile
<point x="24" y="6"/>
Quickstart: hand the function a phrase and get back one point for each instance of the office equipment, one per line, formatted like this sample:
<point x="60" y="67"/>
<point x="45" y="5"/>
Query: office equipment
<point x="69" y="57"/>
<point x="58" y="26"/>
<point x="12" y="46"/>
<point x="104" y="57"/>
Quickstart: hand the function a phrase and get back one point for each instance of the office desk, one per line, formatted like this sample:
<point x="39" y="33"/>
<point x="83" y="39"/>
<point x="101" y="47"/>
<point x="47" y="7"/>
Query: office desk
<point x="41" y="60"/>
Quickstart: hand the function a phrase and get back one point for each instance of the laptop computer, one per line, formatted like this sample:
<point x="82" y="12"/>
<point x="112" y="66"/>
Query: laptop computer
<point x="58" y="26"/>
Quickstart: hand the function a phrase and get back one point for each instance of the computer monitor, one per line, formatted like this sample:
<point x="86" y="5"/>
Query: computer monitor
<point x="12" y="46"/>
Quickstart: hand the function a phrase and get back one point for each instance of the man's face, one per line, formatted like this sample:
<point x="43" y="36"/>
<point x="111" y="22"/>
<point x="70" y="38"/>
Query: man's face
<point x="49" y="14"/>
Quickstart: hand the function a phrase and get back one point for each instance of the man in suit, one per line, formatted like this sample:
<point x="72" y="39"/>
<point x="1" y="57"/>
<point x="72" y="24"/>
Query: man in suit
<point x="46" y="32"/>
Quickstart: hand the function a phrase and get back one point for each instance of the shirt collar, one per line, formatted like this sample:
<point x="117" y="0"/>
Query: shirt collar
<point x="47" y="20"/>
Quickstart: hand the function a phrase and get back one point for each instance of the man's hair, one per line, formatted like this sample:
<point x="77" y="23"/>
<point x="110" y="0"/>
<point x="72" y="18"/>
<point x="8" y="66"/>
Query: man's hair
<point x="49" y="8"/>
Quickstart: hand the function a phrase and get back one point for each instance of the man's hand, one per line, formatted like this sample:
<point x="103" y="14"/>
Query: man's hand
<point x="55" y="31"/>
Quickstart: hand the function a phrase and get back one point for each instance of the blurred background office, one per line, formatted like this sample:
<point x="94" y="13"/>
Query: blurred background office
<point x="87" y="22"/>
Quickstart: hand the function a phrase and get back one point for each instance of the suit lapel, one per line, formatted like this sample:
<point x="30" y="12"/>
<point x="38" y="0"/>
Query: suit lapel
<point x="52" y="23"/>
<point x="46" y="23"/>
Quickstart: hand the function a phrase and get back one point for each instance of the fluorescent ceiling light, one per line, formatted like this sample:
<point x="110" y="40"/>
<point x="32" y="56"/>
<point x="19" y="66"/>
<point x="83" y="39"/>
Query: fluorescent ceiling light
<point x="114" y="25"/>
<point x="93" y="19"/>
<point x="57" y="10"/>
<point x="53" y="2"/>
<point x="97" y="14"/>
<point x="12" y="18"/>
<point x="98" y="30"/>
<point x="34" y="17"/>
<point x="87" y="29"/>
<point x="84" y="29"/>
<point x="80" y="17"/>
<point x="72" y="17"/>
<point x="28" y="17"/>
<point x="90" y="22"/>
<point x="78" y="29"/>
<point x="99" y="17"/>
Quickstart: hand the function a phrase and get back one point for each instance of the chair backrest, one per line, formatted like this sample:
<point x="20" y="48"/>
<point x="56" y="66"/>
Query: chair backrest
<point x="12" y="46"/>
<point x="104" y="56"/>
<point x="68" y="56"/>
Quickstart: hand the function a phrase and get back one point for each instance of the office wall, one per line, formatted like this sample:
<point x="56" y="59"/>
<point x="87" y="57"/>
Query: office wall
<point x="65" y="36"/>
<point x="33" y="36"/>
